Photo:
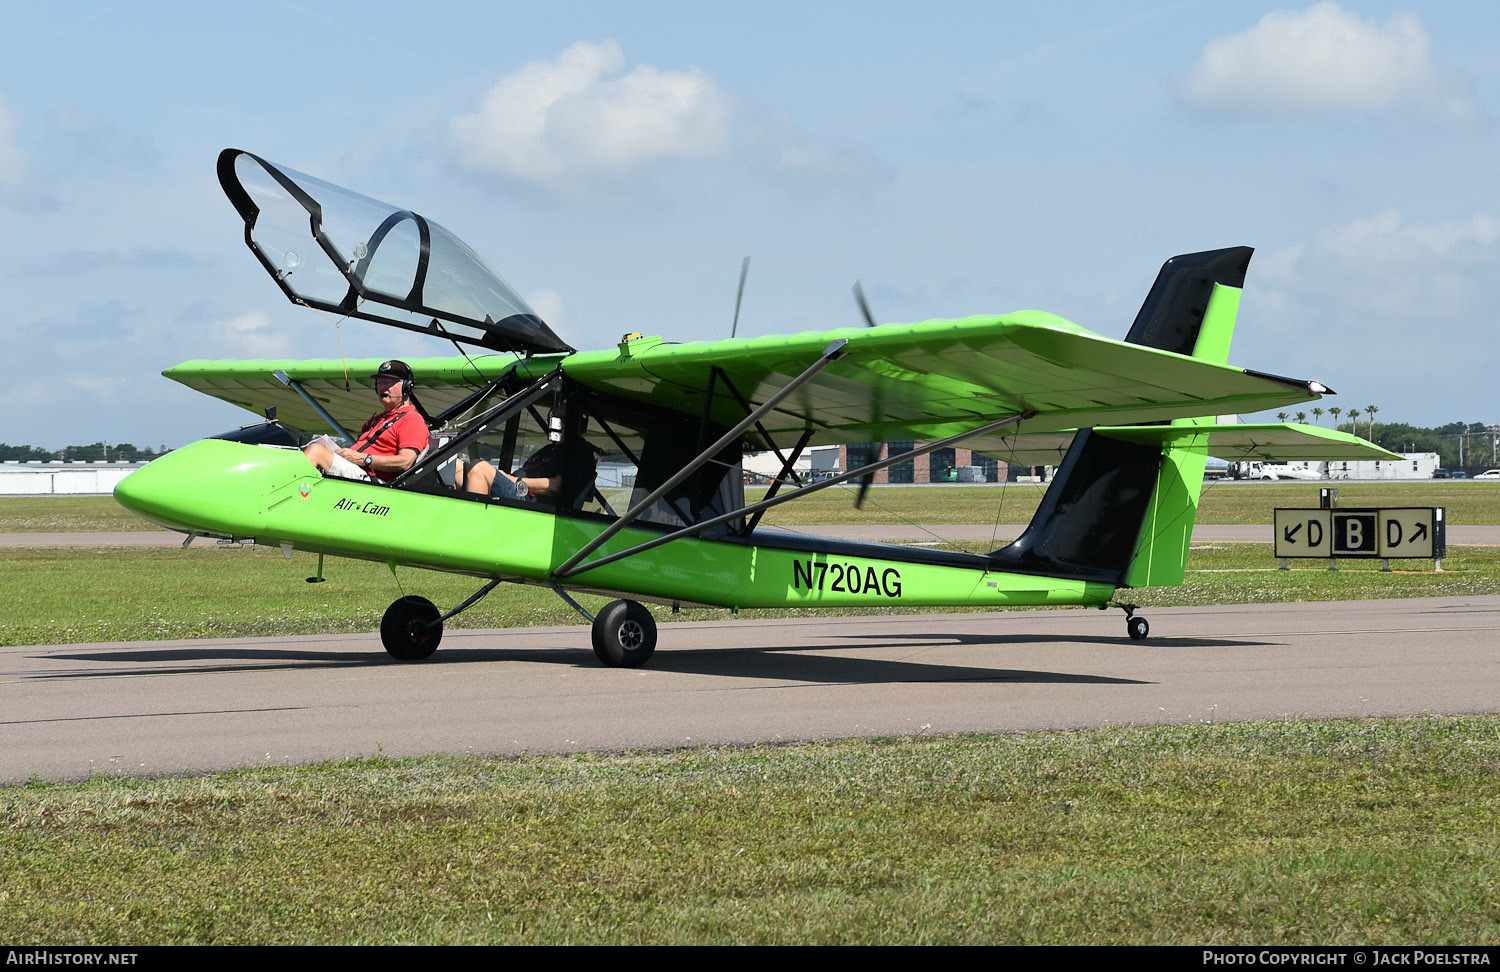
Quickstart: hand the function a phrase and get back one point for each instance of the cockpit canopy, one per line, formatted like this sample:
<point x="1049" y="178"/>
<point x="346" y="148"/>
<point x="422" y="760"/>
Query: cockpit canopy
<point x="339" y="251"/>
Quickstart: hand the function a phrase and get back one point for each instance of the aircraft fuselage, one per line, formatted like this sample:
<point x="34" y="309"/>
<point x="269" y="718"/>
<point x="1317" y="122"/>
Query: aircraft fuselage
<point x="274" y="496"/>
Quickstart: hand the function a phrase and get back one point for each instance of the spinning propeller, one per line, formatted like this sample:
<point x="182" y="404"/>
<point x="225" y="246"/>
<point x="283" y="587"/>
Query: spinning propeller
<point x="864" y="309"/>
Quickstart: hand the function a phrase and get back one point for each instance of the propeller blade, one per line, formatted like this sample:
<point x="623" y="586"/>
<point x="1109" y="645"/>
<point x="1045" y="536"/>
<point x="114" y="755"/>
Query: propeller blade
<point x="740" y="297"/>
<point x="864" y="305"/>
<point x="864" y="487"/>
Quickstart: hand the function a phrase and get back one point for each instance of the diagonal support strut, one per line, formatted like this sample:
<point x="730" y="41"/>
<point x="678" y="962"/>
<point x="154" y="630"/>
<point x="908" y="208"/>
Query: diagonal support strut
<point x="830" y="354"/>
<point x="568" y="569"/>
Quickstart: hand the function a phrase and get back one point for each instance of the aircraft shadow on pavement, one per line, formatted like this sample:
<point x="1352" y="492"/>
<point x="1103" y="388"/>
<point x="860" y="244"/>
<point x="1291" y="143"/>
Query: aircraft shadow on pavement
<point x="937" y="639"/>
<point x="804" y="662"/>
<point x="810" y="663"/>
<point x="223" y="658"/>
<point x="772" y="664"/>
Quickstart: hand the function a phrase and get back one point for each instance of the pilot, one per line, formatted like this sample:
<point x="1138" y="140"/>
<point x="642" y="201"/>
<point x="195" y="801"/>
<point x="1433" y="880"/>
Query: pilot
<point x="539" y="478"/>
<point x="388" y="444"/>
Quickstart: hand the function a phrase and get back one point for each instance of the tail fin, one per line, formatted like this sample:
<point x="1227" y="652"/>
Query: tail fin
<point x="1122" y="512"/>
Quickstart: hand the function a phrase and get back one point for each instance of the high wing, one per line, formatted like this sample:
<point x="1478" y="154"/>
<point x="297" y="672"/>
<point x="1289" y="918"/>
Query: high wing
<point x="934" y="379"/>
<point x="345" y="389"/>
<point x="925" y="381"/>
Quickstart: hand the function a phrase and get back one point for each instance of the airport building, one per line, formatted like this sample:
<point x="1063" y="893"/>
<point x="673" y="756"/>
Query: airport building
<point x="58" y="478"/>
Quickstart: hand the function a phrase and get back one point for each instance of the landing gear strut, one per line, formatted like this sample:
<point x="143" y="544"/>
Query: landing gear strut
<point x="1136" y="627"/>
<point x="624" y="635"/>
<point x="411" y="629"/>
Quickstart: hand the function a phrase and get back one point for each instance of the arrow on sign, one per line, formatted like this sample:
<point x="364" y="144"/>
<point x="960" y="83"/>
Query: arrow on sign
<point x="1290" y="533"/>
<point x="1419" y="533"/>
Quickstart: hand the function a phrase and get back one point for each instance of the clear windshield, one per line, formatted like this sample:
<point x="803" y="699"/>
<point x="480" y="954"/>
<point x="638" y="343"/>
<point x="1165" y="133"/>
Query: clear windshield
<point x="336" y="249"/>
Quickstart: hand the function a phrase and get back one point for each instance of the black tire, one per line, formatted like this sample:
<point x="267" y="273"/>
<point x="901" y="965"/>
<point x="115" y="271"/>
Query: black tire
<point x="1138" y="629"/>
<point x="624" y="635"/>
<point x="410" y="629"/>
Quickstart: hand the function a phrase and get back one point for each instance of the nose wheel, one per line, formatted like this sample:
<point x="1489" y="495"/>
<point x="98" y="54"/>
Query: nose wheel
<point x="411" y="629"/>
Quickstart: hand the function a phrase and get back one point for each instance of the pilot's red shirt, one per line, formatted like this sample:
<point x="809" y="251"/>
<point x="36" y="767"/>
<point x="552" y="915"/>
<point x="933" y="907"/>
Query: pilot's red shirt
<point x="383" y="437"/>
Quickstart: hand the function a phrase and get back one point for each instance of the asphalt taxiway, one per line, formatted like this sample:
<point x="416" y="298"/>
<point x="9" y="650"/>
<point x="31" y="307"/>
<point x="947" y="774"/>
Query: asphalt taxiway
<point x="148" y="708"/>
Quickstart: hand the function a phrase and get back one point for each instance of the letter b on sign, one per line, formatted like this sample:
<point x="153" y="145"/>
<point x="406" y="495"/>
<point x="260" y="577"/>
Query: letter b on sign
<point x="1355" y="533"/>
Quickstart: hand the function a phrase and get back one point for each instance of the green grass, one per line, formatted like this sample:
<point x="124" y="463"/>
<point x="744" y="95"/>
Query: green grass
<point x="67" y="514"/>
<point x="71" y="595"/>
<point x="1325" y="833"/>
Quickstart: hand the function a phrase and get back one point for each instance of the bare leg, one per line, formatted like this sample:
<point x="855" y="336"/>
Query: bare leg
<point x="319" y="455"/>
<point x="479" y="478"/>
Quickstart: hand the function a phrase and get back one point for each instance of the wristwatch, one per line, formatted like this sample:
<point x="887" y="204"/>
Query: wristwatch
<point x="369" y="460"/>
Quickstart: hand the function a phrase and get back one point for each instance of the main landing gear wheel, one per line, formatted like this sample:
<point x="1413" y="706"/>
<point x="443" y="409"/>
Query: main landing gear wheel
<point x="410" y="629"/>
<point x="1137" y="628"/>
<point x="624" y="635"/>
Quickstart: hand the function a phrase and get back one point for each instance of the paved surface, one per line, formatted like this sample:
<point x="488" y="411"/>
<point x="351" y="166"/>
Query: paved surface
<point x="1202" y="533"/>
<point x="147" y="708"/>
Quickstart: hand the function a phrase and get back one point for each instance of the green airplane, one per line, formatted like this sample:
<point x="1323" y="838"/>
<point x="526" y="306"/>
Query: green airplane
<point x="1129" y="425"/>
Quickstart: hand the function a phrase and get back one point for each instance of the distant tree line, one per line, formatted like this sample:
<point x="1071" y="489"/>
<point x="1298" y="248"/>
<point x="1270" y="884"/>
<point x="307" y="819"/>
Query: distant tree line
<point x="97" y="452"/>
<point x="1476" y="442"/>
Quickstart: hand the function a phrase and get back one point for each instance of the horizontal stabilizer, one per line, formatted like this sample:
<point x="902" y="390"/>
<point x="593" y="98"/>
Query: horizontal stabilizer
<point x="1269" y="442"/>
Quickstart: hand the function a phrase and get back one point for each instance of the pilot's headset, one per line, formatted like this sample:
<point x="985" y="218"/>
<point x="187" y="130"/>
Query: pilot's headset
<point x="397" y="369"/>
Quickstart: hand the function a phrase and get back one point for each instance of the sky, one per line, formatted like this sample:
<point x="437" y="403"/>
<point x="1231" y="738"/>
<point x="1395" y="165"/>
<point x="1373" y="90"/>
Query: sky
<point x="615" y="162"/>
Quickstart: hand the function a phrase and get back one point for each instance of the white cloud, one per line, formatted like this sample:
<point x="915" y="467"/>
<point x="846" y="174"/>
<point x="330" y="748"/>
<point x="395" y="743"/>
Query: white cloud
<point x="1388" y="269"/>
<point x="12" y="163"/>
<point x="1383" y="309"/>
<point x="250" y="335"/>
<point x="582" y="117"/>
<point x="1325" y="59"/>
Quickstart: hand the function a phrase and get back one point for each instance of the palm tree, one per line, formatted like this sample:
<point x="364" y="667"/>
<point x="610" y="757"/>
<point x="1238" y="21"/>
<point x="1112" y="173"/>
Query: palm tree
<point x="1283" y="416"/>
<point x="1334" y="411"/>
<point x="1317" y="416"/>
<point x="1354" y="421"/>
<point x="1301" y="417"/>
<point x="1370" y="411"/>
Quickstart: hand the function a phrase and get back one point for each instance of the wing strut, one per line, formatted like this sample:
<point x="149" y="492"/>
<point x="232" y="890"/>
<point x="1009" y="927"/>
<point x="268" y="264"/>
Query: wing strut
<point x="787" y="462"/>
<point x="567" y="569"/>
<point x="746" y="406"/>
<point x="830" y="354"/>
<point x="291" y="383"/>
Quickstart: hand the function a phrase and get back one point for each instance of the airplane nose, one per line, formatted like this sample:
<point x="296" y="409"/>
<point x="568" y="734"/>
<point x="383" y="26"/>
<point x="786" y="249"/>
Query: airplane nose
<point x="165" y="490"/>
<point x="211" y="486"/>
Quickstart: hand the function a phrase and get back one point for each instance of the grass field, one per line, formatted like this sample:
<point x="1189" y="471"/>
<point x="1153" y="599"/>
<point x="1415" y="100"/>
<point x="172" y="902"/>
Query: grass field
<point x="71" y="595"/>
<point x="1326" y="833"/>
<point x="1467" y="502"/>
<point x="67" y="514"/>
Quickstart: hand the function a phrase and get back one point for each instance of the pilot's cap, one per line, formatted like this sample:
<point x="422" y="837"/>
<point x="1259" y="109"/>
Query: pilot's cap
<point x="394" y="369"/>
